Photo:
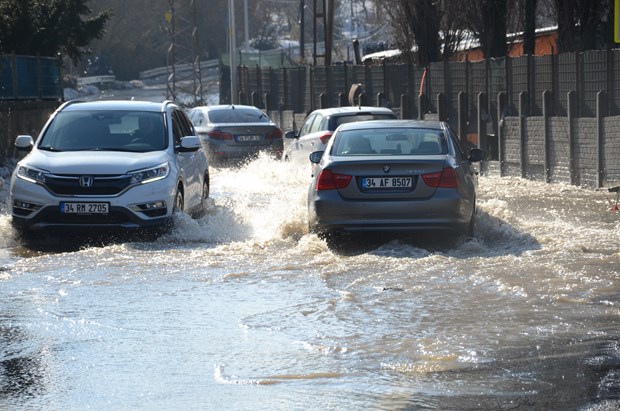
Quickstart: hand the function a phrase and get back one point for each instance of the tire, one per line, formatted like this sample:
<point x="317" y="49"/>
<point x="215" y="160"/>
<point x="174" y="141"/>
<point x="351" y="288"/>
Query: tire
<point x="201" y="210"/>
<point x="178" y="201"/>
<point x="206" y="187"/>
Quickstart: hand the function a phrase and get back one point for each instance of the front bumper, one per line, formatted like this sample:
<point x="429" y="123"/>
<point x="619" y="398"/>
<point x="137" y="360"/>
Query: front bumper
<point x="33" y="207"/>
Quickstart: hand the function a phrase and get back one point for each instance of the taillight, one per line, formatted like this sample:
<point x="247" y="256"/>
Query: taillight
<point x="219" y="135"/>
<point x="276" y="133"/>
<point x="325" y="137"/>
<point x="442" y="179"/>
<point x="330" y="181"/>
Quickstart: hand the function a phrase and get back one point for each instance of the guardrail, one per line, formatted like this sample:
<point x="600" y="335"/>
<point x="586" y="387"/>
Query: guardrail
<point x="82" y="81"/>
<point x="180" y="69"/>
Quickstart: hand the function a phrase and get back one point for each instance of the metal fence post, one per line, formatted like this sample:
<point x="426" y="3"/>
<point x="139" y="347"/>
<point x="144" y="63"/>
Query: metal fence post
<point x="483" y="117"/>
<point x="601" y="113"/>
<point x="462" y="116"/>
<point x="341" y="99"/>
<point x="571" y="106"/>
<point x="547" y="110"/>
<point x="502" y="101"/>
<point x="441" y="107"/>
<point x="523" y="113"/>
<point x="421" y="106"/>
<point x="380" y="97"/>
<point x="322" y="100"/>
<point x="404" y="106"/>
<point x="267" y="102"/>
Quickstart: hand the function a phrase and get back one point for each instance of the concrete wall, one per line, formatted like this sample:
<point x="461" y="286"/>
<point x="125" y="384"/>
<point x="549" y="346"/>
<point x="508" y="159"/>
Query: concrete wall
<point x="21" y="117"/>
<point x="559" y="153"/>
<point x="548" y="148"/>
<point x="611" y="148"/>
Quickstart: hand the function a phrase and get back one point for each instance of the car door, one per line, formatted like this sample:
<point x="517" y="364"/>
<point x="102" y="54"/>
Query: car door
<point x="309" y="141"/>
<point x="295" y="151"/>
<point x="188" y="162"/>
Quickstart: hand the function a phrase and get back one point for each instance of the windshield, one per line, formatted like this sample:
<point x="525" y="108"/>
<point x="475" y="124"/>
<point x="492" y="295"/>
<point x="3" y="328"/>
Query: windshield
<point x="338" y="120"/>
<point x="105" y="130"/>
<point x="237" y="115"/>
<point x="390" y="141"/>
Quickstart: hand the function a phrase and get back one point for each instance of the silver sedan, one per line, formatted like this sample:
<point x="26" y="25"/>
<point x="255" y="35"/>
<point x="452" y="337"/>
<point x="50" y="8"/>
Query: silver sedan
<point x="393" y="176"/>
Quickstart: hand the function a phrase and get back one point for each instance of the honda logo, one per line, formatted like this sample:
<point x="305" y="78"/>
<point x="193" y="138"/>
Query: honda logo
<point x="86" y="181"/>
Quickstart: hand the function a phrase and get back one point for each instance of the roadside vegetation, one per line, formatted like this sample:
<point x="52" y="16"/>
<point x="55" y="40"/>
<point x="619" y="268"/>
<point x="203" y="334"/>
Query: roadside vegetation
<point x="129" y="36"/>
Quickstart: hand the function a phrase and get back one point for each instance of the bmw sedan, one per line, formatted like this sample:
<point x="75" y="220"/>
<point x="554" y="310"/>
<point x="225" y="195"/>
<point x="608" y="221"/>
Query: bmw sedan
<point x="109" y="166"/>
<point x="393" y="176"/>
<point x="236" y="132"/>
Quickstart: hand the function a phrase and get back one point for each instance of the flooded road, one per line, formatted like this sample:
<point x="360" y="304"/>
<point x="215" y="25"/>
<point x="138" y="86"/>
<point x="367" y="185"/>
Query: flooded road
<point x="244" y="310"/>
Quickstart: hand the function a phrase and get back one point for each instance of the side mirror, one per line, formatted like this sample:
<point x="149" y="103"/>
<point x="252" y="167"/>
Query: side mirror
<point x="290" y="134"/>
<point x="189" y="143"/>
<point x="476" y="154"/>
<point x="315" y="157"/>
<point x="24" y="142"/>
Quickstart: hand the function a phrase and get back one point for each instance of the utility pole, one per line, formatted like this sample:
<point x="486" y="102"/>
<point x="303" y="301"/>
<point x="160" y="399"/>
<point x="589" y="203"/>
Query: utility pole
<point x="323" y="16"/>
<point x="302" y="30"/>
<point x="232" y="50"/>
<point x="184" y="81"/>
<point x="246" y="25"/>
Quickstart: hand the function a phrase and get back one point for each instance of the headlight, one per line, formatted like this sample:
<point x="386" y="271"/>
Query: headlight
<point x="31" y="174"/>
<point x="148" y="175"/>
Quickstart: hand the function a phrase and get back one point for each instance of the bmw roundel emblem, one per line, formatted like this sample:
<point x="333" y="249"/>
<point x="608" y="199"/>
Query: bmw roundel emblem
<point x="386" y="169"/>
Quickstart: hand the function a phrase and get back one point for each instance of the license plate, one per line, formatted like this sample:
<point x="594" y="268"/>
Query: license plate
<point x="248" y="138"/>
<point x="84" y="208"/>
<point x="386" y="182"/>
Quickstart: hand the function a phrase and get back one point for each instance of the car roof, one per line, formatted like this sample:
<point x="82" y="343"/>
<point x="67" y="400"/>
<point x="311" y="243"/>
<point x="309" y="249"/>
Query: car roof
<point x="334" y="111"/>
<point x="360" y="125"/>
<point x="225" y="106"/>
<point x="116" y="105"/>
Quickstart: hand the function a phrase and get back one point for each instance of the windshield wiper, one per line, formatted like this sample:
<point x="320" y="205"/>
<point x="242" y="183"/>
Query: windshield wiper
<point x="46" y="148"/>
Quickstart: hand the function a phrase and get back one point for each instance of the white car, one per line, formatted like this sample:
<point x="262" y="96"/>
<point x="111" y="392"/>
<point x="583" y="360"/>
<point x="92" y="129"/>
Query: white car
<point x="109" y="165"/>
<point x="319" y="126"/>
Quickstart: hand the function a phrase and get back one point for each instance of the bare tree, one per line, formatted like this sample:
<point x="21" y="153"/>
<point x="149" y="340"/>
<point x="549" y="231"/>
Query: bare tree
<point x="487" y="19"/>
<point x="582" y="24"/>
<point x="529" y="35"/>
<point x="416" y="23"/>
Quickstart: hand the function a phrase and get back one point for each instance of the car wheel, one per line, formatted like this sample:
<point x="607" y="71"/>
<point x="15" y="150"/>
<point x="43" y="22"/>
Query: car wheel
<point x="205" y="188"/>
<point x="467" y="232"/>
<point x="178" y="201"/>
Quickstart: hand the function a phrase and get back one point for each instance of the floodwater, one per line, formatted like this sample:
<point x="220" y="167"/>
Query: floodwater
<point x="244" y="310"/>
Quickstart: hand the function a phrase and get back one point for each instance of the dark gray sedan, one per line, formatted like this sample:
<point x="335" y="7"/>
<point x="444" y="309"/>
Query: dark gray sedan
<point x="236" y="132"/>
<point x="396" y="175"/>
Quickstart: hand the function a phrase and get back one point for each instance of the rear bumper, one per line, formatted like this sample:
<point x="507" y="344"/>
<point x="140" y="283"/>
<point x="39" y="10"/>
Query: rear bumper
<point x="445" y="211"/>
<point x="224" y="151"/>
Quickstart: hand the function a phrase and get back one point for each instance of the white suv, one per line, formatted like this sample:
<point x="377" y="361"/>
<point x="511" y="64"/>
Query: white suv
<point x="120" y="165"/>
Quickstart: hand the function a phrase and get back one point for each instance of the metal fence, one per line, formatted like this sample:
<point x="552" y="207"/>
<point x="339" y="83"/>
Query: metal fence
<point x="413" y="90"/>
<point x="30" y="77"/>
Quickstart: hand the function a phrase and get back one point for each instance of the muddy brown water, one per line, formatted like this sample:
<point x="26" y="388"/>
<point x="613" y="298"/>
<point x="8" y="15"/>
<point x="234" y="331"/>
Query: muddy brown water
<point x="244" y="310"/>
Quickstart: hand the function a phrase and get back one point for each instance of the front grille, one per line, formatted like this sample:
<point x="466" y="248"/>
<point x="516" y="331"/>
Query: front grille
<point x="101" y="185"/>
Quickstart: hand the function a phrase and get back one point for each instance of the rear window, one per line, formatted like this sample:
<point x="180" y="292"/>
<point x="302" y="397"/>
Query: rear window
<point x="338" y="120"/>
<point x="237" y="115"/>
<point x="390" y="141"/>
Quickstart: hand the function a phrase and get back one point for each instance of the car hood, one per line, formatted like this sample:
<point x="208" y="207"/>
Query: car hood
<point x="93" y="162"/>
